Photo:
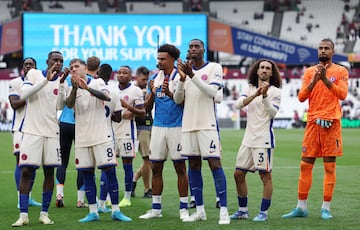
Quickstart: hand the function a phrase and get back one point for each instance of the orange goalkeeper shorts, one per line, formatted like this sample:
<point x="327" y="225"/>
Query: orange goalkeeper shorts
<point x="322" y="142"/>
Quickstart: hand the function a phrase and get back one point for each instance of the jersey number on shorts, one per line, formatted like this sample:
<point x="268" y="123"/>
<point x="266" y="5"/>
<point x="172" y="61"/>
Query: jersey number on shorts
<point x="110" y="153"/>
<point x="128" y="146"/>
<point x="261" y="157"/>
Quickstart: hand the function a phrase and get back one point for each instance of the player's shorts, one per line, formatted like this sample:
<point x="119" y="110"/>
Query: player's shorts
<point x="322" y="142"/>
<point x="101" y="156"/>
<point x="125" y="148"/>
<point x="17" y="138"/>
<point x="144" y="142"/>
<point x="204" y="143"/>
<point x="166" y="142"/>
<point x="37" y="150"/>
<point x="252" y="159"/>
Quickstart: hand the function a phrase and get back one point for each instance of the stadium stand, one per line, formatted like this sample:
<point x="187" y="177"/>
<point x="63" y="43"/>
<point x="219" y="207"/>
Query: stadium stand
<point x="69" y="7"/>
<point x="245" y="14"/>
<point x="5" y="10"/>
<point x="313" y="19"/>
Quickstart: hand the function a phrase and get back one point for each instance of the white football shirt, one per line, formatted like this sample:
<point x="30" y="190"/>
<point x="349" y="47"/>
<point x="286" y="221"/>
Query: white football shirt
<point x="259" y="131"/>
<point x="199" y="108"/>
<point x="91" y="123"/>
<point x="14" y="90"/>
<point x="126" y="129"/>
<point x="41" y="114"/>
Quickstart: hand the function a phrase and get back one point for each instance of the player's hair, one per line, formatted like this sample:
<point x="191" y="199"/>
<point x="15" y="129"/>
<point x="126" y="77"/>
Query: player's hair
<point x="31" y="58"/>
<point x="171" y="50"/>
<point x="275" y="78"/>
<point x="93" y="63"/>
<point x="126" y="66"/>
<point x="329" y="40"/>
<point x="196" y="39"/>
<point x="54" y="52"/>
<point x="105" y="72"/>
<point x="142" y="70"/>
<point x="77" y="60"/>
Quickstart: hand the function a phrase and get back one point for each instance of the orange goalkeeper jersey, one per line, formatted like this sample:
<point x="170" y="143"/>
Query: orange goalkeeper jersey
<point x="323" y="102"/>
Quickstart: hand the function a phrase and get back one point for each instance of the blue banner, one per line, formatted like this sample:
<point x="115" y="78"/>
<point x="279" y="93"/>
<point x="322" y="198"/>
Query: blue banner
<point x="117" y="39"/>
<point x="258" y="46"/>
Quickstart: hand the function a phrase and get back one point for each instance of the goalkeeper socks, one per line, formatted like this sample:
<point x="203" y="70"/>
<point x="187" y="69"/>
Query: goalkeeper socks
<point x="305" y="180"/>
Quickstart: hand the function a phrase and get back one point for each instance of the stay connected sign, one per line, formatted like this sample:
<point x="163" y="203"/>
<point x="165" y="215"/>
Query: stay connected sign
<point x="233" y="40"/>
<point x="116" y="39"/>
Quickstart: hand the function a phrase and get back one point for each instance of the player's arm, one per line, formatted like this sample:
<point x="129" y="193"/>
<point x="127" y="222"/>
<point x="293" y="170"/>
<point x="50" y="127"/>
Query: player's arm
<point x="179" y="94"/>
<point x="61" y="98"/>
<point x="272" y="104"/>
<point x="99" y="94"/>
<point x="16" y="102"/>
<point x="210" y="90"/>
<point x="150" y="96"/>
<point x="219" y="96"/>
<point x="340" y="88"/>
<point x="138" y="110"/>
<point x="309" y="81"/>
<point x="116" y="116"/>
<point x="70" y="100"/>
<point x="244" y="100"/>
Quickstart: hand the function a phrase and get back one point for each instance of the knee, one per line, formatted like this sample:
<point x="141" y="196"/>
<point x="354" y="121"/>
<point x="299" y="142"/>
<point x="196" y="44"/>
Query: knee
<point x="239" y="175"/>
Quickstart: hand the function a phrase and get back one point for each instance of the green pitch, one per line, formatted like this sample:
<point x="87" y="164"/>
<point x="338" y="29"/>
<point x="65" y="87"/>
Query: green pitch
<point x="345" y="206"/>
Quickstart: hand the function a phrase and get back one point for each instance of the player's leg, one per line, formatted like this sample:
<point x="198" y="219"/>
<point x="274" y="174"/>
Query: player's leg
<point x="244" y="163"/>
<point x="157" y="185"/>
<point x="66" y="138"/>
<point x="52" y="158"/>
<point x="329" y="186"/>
<point x="267" y="194"/>
<point x="17" y="137"/>
<point x="263" y="161"/>
<point x="220" y="183"/>
<point x="311" y="147"/>
<point x="144" y="170"/>
<point x="180" y="168"/>
<point x="48" y="188"/>
<point x="80" y="190"/>
<point x="332" y="144"/>
<point x="24" y="189"/>
<point x="102" y="208"/>
<point x="146" y="174"/>
<point x="129" y="174"/>
<point x="105" y="158"/>
<point x="192" y="203"/>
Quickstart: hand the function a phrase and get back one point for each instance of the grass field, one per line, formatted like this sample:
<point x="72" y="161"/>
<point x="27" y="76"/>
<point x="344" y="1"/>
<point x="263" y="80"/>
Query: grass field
<point x="345" y="205"/>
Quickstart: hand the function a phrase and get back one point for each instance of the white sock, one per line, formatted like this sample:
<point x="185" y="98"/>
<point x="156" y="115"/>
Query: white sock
<point x="184" y="199"/>
<point x="93" y="208"/>
<point x="326" y="205"/>
<point x="115" y="207"/>
<point x="243" y="209"/>
<point x="302" y="204"/>
<point x="81" y="195"/>
<point x="200" y="209"/>
<point x="60" y="189"/>
<point x="127" y="195"/>
<point x="224" y="211"/>
<point x="156" y="199"/>
<point x="102" y="203"/>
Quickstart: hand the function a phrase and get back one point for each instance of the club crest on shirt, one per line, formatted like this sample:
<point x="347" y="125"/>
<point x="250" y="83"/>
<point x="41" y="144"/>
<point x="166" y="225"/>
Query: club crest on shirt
<point x="204" y="77"/>
<point x="332" y="79"/>
<point x="24" y="157"/>
<point x="126" y="98"/>
<point x="55" y="91"/>
<point x="303" y="149"/>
